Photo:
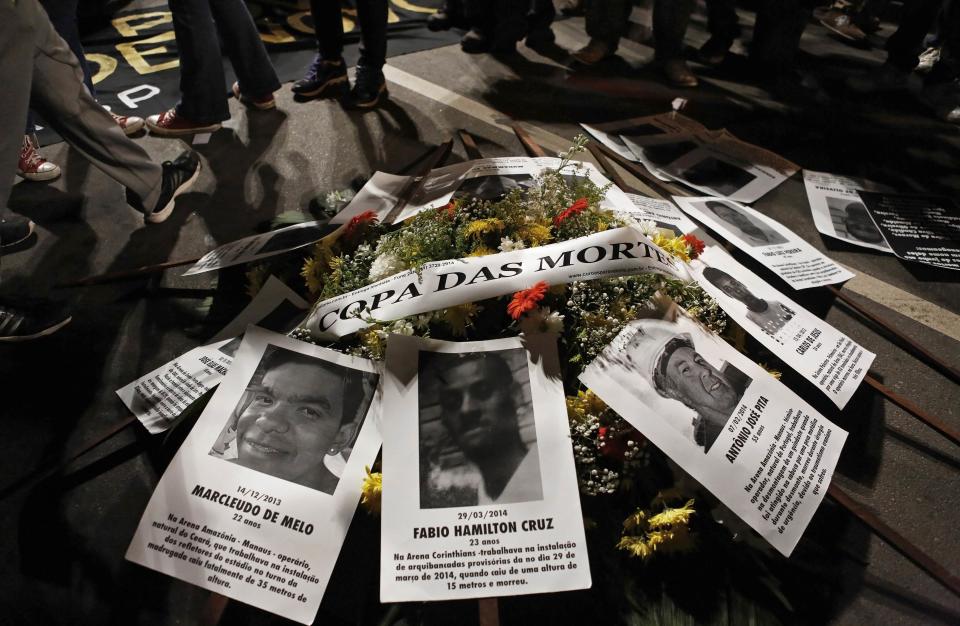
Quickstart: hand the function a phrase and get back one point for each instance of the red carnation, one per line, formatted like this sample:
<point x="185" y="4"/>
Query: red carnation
<point x="526" y="300"/>
<point x="615" y="444"/>
<point x="357" y="222"/>
<point x="570" y="211"/>
<point x="695" y="244"/>
<point x="447" y="208"/>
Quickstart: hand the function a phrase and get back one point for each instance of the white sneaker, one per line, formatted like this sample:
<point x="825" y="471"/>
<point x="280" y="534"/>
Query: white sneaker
<point x="129" y="124"/>
<point x="928" y="59"/>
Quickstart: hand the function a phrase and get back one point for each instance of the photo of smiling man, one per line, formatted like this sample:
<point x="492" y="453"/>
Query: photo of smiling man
<point x="669" y="361"/>
<point x="297" y="419"/>
<point x="478" y="444"/>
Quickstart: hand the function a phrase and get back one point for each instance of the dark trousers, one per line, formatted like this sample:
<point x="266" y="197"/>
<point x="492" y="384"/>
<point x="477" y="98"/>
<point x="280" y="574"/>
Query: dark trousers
<point x="607" y="20"/>
<point x="200" y="26"/>
<point x="372" y="17"/>
<point x="37" y="67"/>
<point x="919" y="17"/>
<point x="672" y="17"/>
<point x="777" y="32"/>
<point x="63" y="16"/>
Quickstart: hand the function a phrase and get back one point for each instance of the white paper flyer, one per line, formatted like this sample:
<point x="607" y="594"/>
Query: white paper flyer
<point x="822" y="354"/>
<point x="256" y="247"/>
<point x="766" y="240"/>
<point x="664" y="213"/>
<point x="838" y="211"/>
<point x="609" y="133"/>
<point x="257" y="502"/>
<point x="757" y="446"/>
<point x="481" y="496"/>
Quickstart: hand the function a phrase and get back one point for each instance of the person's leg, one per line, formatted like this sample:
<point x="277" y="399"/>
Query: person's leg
<point x="203" y="99"/>
<point x="59" y="95"/>
<point x="670" y="21"/>
<point x="722" y="21"/>
<point x="328" y="25"/>
<point x="63" y="16"/>
<point x="948" y="68"/>
<point x="244" y="48"/>
<point x="370" y="86"/>
<point x="372" y="17"/>
<point x="16" y="71"/>
<point x="904" y="45"/>
<point x="606" y="20"/>
<point x="776" y="35"/>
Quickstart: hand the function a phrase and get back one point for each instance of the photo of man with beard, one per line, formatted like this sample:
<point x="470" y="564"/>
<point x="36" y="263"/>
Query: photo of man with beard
<point x="752" y="232"/>
<point x="297" y="419"/>
<point x="480" y="400"/>
<point x="671" y="364"/>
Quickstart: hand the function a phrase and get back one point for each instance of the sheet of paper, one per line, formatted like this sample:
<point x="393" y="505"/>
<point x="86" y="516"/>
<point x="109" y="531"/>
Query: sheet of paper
<point x="256" y="503"/>
<point x="838" y="211"/>
<point x="159" y="397"/>
<point x="757" y="446"/>
<point x="833" y="362"/>
<point x="663" y="212"/>
<point x="441" y="284"/>
<point x="488" y="179"/>
<point x="256" y="247"/>
<point x="766" y="240"/>
<point x="480" y="494"/>
<point x="609" y="133"/>
<point x="714" y="163"/>
<point x="920" y="228"/>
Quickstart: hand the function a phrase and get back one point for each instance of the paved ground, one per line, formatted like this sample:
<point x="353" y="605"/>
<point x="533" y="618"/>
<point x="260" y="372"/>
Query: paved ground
<point x="62" y="540"/>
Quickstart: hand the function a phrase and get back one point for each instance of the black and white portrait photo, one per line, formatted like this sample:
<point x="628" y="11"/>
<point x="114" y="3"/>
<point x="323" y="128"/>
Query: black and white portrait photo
<point x="752" y="231"/>
<point x="671" y="363"/>
<point x="297" y="419"/>
<point x="478" y="440"/>
<point x="494" y="187"/>
<point x="852" y="221"/>
<point x="724" y="178"/>
<point x="282" y="319"/>
<point x="769" y="315"/>
<point x="293" y="238"/>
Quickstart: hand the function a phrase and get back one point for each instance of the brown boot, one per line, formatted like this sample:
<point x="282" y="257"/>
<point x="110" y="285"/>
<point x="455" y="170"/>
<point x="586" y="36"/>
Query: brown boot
<point x="678" y="74"/>
<point x="593" y="52"/>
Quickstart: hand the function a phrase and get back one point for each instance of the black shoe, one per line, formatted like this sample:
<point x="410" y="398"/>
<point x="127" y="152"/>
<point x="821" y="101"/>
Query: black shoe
<point x="439" y="21"/>
<point x="369" y="89"/>
<point x="178" y="176"/>
<point x="21" y="322"/>
<point x="540" y="38"/>
<point x="475" y="42"/>
<point x="14" y="229"/>
<point x="324" y="79"/>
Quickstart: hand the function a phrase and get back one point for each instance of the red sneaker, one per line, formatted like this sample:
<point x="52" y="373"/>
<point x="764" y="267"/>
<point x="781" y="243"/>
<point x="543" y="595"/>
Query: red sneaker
<point x="169" y="124"/>
<point x="32" y="165"/>
<point x="263" y="103"/>
<point x="129" y="124"/>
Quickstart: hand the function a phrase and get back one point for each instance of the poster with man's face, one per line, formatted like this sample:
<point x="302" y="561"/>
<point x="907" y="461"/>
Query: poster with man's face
<point x="476" y="415"/>
<point x="297" y="419"/>
<point x="760" y="448"/>
<point x="481" y="464"/>
<point x="263" y="489"/>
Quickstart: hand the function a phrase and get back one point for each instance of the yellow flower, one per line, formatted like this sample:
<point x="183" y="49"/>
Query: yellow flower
<point x="482" y="250"/>
<point x="460" y="317"/>
<point x="583" y="404"/>
<point x="372" y="491"/>
<point x="673" y="517"/>
<point x="478" y="228"/>
<point x="775" y="373"/>
<point x="372" y="338"/>
<point x="676" y="246"/>
<point x="534" y="233"/>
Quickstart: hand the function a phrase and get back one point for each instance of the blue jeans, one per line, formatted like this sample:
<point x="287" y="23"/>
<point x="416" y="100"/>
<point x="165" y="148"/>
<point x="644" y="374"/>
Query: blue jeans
<point x="197" y="25"/>
<point x="63" y="16"/>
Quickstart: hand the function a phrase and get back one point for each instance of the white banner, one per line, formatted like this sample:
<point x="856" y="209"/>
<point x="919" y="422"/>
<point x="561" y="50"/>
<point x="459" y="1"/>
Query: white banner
<point x="833" y="362"/>
<point x="441" y="284"/>
<point x="766" y="240"/>
<point x="480" y="495"/>
<point x="257" y="501"/>
<point x="757" y="446"/>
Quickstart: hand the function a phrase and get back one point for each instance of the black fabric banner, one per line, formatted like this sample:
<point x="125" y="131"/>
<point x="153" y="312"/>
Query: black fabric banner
<point x="135" y="62"/>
